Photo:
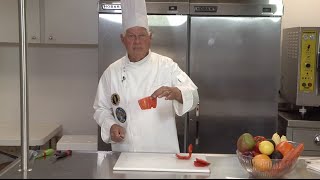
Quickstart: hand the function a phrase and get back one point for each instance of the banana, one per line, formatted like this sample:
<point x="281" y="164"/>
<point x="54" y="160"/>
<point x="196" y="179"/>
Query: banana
<point x="276" y="138"/>
<point x="283" y="138"/>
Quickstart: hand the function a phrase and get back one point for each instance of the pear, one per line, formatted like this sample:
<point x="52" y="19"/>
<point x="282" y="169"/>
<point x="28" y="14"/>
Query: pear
<point x="276" y="138"/>
<point x="283" y="138"/>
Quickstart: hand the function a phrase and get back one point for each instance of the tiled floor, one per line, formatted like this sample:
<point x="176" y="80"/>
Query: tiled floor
<point x="3" y="165"/>
<point x="11" y="150"/>
<point x="5" y="160"/>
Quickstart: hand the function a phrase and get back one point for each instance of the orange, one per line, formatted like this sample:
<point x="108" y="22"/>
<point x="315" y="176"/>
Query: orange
<point x="262" y="162"/>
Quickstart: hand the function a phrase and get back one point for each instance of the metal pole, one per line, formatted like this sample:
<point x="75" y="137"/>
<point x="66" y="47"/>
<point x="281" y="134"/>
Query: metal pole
<point x="23" y="86"/>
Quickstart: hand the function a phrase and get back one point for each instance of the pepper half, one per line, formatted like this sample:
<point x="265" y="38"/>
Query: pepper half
<point x="147" y="103"/>
<point x="186" y="157"/>
<point x="200" y="163"/>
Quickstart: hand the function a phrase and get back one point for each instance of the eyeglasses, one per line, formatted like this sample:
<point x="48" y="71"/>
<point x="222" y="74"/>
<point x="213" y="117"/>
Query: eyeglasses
<point x="133" y="37"/>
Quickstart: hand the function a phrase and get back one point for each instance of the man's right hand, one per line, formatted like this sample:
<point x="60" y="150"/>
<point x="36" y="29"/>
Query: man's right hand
<point x="117" y="133"/>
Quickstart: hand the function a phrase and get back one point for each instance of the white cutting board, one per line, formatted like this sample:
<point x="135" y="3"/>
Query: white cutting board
<point x="157" y="162"/>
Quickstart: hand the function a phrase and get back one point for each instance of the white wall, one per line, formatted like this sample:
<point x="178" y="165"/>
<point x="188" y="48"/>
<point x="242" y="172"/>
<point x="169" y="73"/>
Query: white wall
<point x="62" y="86"/>
<point x="301" y="13"/>
<point x="9" y="84"/>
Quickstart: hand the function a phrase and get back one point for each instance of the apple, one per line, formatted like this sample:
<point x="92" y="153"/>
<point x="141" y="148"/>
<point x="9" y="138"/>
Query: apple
<point x="256" y="147"/>
<point x="259" y="138"/>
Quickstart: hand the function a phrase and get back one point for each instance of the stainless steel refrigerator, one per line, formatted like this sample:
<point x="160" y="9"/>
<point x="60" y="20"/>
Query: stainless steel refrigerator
<point x="168" y="22"/>
<point x="235" y="62"/>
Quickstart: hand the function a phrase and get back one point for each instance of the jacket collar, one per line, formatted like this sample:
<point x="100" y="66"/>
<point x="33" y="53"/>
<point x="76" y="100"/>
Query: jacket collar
<point x="142" y="61"/>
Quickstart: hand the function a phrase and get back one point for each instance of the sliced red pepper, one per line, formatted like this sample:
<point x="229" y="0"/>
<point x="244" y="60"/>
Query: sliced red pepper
<point x="147" y="103"/>
<point x="186" y="157"/>
<point x="182" y="157"/>
<point x="190" y="149"/>
<point x="204" y="162"/>
<point x="198" y="164"/>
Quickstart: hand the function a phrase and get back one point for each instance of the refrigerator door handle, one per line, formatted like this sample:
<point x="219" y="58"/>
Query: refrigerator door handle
<point x="197" y="124"/>
<point x="197" y="110"/>
<point x="197" y="133"/>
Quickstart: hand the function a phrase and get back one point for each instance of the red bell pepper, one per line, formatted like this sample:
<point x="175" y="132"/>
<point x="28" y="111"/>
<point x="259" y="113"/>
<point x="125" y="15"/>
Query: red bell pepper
<point x="147" y="103"/>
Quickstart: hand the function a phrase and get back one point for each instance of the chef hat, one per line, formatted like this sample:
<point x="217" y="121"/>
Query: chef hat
<point x="134" y="13"/>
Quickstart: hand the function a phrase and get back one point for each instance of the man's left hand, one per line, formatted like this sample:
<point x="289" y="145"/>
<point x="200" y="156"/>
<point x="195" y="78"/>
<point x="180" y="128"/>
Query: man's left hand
<point x="170" y="93"/>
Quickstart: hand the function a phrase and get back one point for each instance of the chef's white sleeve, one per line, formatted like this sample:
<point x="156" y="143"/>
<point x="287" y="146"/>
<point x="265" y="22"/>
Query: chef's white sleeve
<point x="188" y="90"/>
<point x="103" y="108"/>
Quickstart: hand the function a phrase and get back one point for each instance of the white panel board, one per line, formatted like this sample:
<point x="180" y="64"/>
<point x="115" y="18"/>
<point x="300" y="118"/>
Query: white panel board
<point x="157" y="162"/>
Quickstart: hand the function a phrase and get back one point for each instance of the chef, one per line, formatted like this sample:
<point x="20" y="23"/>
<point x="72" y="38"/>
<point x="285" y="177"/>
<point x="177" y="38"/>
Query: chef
<point x="142" y="73"/>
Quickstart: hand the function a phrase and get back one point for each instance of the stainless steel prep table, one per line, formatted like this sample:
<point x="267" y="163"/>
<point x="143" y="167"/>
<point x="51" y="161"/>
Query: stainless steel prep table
<point x="89" y="165"/>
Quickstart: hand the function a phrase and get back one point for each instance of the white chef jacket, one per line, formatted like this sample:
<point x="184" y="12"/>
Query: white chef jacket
<point x="152" y="130"/>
